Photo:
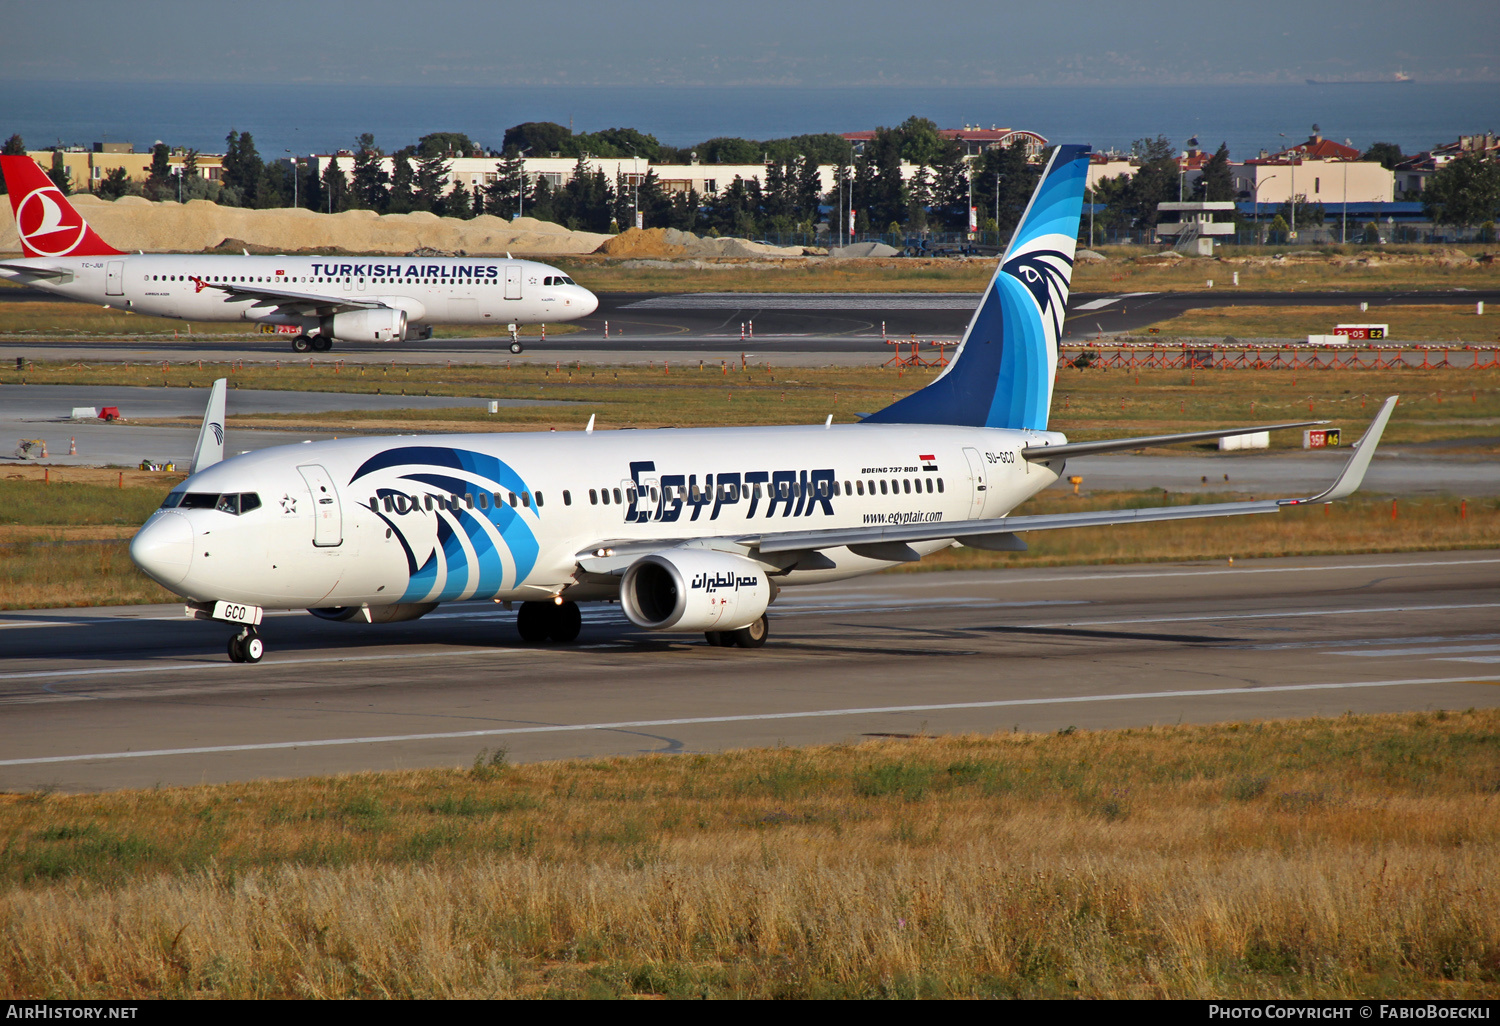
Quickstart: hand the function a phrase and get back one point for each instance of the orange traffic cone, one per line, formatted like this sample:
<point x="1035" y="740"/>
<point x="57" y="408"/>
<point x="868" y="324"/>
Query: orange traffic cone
<point x="72" y="446"/>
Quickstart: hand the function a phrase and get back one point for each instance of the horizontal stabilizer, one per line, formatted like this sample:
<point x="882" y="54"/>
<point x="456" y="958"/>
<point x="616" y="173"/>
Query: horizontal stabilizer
<point x="1039" y="453"/>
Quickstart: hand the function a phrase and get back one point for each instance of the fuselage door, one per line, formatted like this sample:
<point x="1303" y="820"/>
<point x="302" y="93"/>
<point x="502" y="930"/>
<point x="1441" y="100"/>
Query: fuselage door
<point x="512" y="281"/>
<point x="114" y="278"/>
<point x="348" y="285"/>
<point x="979" y="485"/>
<point x="328" y="515"/>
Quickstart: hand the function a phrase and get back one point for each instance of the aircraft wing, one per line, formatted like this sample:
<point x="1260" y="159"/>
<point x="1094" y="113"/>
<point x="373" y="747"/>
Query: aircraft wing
<point x="1041" y="453"/>
<point x="894" y="541"/>
<point x="297" y="302"/>
<point x="38" y="272"/>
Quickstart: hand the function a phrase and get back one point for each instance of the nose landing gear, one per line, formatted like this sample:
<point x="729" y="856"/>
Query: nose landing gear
<point x="246" y="646"/>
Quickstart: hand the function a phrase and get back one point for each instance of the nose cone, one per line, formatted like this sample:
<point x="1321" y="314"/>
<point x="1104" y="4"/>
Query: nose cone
<point x="164" y="548"/>
<point x="588" y="301"/>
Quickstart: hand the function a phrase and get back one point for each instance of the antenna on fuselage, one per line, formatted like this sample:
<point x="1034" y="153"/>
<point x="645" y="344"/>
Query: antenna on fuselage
<point x="590" y="429"/>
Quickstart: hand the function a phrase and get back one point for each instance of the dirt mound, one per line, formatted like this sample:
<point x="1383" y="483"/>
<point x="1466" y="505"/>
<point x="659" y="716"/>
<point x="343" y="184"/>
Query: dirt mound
<point x="133" y="223"/>
<point x="643" y="244"/>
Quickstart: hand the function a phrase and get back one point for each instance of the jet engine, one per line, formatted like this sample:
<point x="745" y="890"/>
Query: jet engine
<point x="375" y="614"/>
<point x="366" y="326"/>
<point x="694" y="590"/>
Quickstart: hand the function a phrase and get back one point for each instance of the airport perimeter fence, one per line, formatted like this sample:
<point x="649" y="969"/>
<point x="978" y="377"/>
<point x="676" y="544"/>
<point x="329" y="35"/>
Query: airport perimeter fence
<point x="1330" y="233"/>
<point x="1251" y="356"/>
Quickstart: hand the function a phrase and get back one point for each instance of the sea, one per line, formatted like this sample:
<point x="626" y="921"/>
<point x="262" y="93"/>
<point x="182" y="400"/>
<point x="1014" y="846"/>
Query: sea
<point x="288" y="119"/>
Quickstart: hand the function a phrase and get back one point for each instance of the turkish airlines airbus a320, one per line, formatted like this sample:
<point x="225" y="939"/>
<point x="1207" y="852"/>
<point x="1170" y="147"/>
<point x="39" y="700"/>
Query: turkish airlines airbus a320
<point x="689" y="530"/>
<point x="379" y="299"/>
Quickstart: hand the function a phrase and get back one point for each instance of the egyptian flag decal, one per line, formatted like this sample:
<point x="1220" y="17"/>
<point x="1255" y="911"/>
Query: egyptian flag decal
<point x="928" y="462"/>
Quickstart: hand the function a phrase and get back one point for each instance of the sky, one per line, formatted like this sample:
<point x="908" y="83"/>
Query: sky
<point x="795" y="43"/>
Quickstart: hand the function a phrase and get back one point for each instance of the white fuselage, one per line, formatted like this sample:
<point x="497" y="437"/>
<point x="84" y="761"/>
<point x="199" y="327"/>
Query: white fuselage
<point x="430" y="290"/>
<point x="382" y="521"/>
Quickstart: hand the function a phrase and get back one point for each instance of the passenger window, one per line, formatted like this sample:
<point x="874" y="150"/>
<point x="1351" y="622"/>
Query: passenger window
<point x="539" y="499"/>
<point x="906" y="485"/>
<point x="882" y="487"/>
<point x="859" y="487"/>
<point x="427" y="503"/>
<point x="593" y="497"/>
<point x="484" y="500"/>
<point x="469" y="500"/>
<point x="929" y="486"/>
<point x="567" y="498"/>
<point x="526" y="499"/>
<point x="940" y="484"/>
<point x="514" y="502"/>
<point x="617" y="495"/>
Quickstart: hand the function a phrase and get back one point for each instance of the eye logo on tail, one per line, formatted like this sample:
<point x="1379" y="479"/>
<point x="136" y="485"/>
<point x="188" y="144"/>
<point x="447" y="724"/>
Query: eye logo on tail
<point x="39" y="220"/>
<point x="1045" y="272"/>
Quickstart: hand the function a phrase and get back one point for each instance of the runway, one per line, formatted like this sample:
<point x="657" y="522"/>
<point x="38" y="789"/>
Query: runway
<point x="781" y="328"/>
<point x="108" y="698"/>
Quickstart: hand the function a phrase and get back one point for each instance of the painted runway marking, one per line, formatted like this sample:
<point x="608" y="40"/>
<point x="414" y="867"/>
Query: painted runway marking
<point x="747" y="718"/>
<point x="1006" y="579"/>
<point x="1419" y="651"/>
<point x="117" y="670"/>
<point x="1278" y="615"/>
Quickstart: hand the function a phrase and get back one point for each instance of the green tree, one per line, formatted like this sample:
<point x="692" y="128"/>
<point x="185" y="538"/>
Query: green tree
<point x="950" y="188"/>
<point x="729" y="150"/>
<point x="334" y="192"/>
<point x="446" y="144"/>
<point x="61" y="175"/>
<point x="502" y="197"/>
<point x="13" y="147"/>
<point x="587" y="202"/>
<point x="1464" y="191"/>
<point x="614" y="142"/>
<point x="1010" y="170"/>
<point x="159" y="184"/>
<point x="403" y="178"/>
<point x="537" y="138"/>
<point x="430" y="181"/>
<point x="459" y="202"/>
<point x="920" y="141"/>
<point x="370" y="186"/>
<point x="244" y="172"/>
<point x="116" y="183"/>
<point x="879" y="191"/>
<point x="1389" y="154"/>
<point x="1156" y="181"/>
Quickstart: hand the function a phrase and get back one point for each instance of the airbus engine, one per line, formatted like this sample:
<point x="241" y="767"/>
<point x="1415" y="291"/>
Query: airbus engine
<point x="366" y="326"/>
<point x="375" y="614"/>
<point x="694" y="590"/>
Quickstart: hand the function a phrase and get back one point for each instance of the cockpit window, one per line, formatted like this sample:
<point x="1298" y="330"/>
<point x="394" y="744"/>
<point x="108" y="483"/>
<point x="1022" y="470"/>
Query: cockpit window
<point x="233" y="503"/>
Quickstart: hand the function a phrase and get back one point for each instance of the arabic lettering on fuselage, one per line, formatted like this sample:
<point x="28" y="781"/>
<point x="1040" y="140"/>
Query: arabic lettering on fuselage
<point x="787" y="493"/>
<point x="454" y="271"/>
<point x="722" y="582"/>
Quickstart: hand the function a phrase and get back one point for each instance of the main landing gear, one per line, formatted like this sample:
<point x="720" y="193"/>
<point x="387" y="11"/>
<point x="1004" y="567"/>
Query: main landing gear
<point x="246" y="646"/>
<point x="752" y="636"/>
<point x="316" y="343"/>
<point x="541" y="621"/>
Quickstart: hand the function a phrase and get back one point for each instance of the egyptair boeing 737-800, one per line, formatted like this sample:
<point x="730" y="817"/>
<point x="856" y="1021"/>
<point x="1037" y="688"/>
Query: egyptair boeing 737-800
<point x="689" y="530"/>
<point x="380" y="299"/>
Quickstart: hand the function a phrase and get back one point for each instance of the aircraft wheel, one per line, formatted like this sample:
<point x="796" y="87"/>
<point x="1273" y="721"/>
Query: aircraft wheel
<point x="254" y="648"/>
<point x="322" y="343"/>
<point x="715" y="639"/>
<point x="301" y="344"/>
<point x="752" y="636"/>
<point x="534" y="621"/>
<point x="516" y="347"/>
<point x="236" y="650"/>
<point x="565" y="624"/>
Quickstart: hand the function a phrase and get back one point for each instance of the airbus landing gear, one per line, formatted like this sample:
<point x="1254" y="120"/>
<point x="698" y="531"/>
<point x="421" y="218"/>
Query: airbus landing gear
<point x="540" y="621"/>
<point x="516" y="347"/>
<point x="316" y="343"/>
<point x="321" y="343"/>
<point x="302" y="343"/>
<point x="246" y="646"/>
<point x="753" y="636"/>
<point x="515" y="340"/>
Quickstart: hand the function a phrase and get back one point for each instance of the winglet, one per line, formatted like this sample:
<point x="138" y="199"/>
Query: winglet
<point x="210" y="448"/>
<point x="1353" y="474"/>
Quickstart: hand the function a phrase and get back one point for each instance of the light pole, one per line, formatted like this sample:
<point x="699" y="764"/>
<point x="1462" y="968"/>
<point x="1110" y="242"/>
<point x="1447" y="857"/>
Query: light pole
<point x="1255" y="202"/>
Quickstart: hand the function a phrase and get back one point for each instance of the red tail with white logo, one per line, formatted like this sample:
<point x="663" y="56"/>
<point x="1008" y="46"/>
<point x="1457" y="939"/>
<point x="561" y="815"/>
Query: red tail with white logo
<point x="46" y="221"/>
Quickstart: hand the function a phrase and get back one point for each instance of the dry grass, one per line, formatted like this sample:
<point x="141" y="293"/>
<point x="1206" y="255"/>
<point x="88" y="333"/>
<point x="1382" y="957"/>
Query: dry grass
<point x="1325" y="859"/>
<point x="1389" y="268"/>
<point x="1457" y="323"/>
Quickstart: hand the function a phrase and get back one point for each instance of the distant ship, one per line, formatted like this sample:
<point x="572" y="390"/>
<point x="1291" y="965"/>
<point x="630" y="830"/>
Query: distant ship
<point x="1400" y="78"/>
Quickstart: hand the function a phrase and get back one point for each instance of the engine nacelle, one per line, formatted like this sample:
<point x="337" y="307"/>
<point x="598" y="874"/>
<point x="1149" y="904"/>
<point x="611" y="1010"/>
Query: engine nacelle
<point x="366" y="326"/>
<point x="694" y="590"/>
<point x="375" y="614"/>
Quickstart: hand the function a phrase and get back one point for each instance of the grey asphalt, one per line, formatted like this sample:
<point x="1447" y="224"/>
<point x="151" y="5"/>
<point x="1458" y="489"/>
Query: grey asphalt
<point x="134" y="697"/>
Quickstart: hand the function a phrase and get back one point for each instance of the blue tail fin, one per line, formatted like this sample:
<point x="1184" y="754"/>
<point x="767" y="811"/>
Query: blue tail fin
<point x="1002" y="374"/>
